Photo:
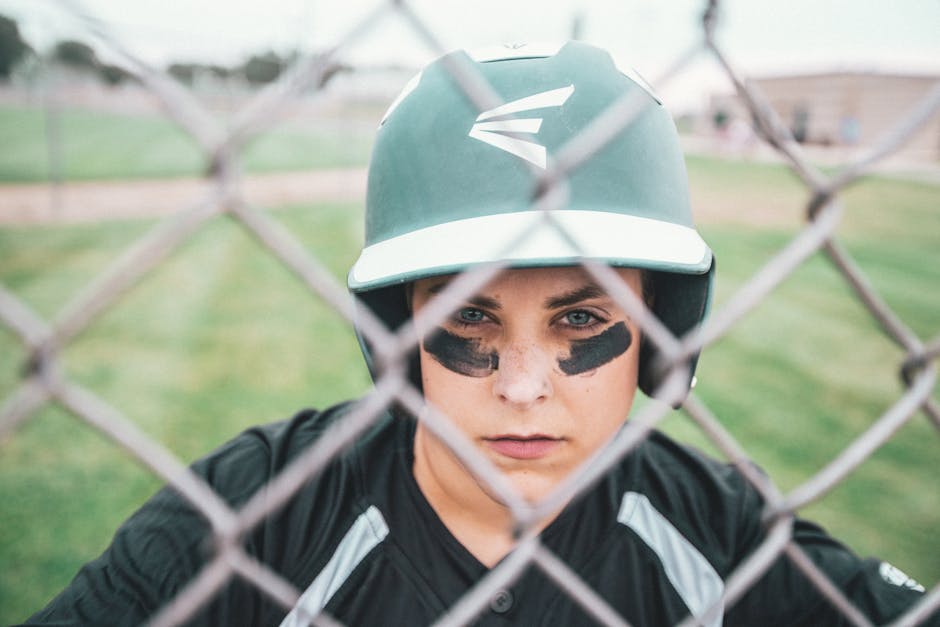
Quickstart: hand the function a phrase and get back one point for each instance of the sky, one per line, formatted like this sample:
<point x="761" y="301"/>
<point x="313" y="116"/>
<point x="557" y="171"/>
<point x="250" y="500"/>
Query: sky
<point x="760" y="36"/>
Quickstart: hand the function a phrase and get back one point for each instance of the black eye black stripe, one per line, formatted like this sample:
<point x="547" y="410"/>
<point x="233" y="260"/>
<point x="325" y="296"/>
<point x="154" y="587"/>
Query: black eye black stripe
<point x="464" y="355"/>
<point x="461" y="355"/>
<point x="594" y="352"/>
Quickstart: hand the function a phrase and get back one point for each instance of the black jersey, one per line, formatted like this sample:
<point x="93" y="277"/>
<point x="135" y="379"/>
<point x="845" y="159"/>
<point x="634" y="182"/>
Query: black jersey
<point x="656" y="538"/>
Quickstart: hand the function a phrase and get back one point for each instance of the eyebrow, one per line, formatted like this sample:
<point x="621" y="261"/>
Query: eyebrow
<point x="585" y="292"/>
<point x="573" y="297"/>
<point x="483" y="302"/>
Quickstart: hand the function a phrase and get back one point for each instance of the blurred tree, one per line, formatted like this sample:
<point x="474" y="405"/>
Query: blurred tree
<point x="80" y="56"/>
<point x="183" y="72"/>
<point x="12" y="46"/>
<point x="188" y="73"/>
<point x="113" y="74"/>
<point x="263" y="68"/>
<point x="76" y="55"/>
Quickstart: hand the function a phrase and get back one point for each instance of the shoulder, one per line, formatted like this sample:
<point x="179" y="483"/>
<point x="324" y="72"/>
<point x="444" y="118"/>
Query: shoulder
<point x="707" y="502"/>
<point x="681" y="474"/>
<point x="165" y="544"/>
<point x="305" y="471"/>
<point x="245" y="463"/>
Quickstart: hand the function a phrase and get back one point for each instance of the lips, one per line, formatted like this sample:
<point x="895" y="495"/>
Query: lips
<point x="523" y="447"/>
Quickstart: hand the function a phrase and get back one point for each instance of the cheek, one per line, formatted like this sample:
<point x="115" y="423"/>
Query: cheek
<point x="592" y="353"/>
<point x="457" y="396"/>
<point x="601" y="399"/>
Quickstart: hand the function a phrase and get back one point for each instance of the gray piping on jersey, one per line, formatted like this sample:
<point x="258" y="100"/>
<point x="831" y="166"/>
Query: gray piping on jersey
<point x="688" y="571"/>
<point x="364" y="535"/>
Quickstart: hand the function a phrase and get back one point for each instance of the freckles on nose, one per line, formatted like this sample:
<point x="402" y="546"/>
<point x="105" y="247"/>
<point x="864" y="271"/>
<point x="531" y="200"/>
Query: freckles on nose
<point x="523" y="374"/>
<point x="523" y="360"/>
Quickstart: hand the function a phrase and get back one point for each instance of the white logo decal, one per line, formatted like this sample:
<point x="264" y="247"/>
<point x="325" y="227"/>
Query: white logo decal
<point x="493" y="132"/>
<point x="897" y="577"/>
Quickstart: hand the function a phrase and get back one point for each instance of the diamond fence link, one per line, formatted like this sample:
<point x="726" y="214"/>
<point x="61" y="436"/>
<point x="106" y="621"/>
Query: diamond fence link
<point x="43" y="382"/>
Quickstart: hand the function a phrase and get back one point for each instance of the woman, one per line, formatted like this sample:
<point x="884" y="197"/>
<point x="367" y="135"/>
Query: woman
<point x="538" y="369"/>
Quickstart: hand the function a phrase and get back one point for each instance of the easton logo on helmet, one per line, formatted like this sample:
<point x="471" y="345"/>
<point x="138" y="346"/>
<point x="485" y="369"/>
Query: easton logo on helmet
<point x="493" y="132"/>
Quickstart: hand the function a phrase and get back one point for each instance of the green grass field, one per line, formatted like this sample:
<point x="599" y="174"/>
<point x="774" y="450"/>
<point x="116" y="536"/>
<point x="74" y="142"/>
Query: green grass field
<point x="95" y="146"/>
<point x="222" y="337"/>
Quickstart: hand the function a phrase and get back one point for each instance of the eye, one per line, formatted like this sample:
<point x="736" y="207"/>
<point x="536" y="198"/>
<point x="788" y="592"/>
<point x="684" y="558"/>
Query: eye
<point x="471" y="315"/>
<point x="580" y="318"/>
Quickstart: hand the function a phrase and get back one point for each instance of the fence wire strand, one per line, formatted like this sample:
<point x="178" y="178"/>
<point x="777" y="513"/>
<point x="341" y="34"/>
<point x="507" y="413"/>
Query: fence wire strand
<point x="43" y="382"/>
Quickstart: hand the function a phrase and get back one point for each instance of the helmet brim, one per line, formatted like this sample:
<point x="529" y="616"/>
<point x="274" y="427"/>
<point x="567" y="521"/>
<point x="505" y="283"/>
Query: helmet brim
<point x="532" y="239"/>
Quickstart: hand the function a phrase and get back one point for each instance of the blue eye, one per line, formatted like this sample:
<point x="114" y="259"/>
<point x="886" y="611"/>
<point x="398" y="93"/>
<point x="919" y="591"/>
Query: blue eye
<point x="579" y="318"/>
<point x="471" y="314"/>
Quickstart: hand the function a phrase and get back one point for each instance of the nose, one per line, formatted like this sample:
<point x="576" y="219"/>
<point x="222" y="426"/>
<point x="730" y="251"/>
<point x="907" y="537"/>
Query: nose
<point x="523" y="378"/>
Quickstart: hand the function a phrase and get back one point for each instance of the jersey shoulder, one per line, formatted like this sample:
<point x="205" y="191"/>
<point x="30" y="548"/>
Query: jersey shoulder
<point x="708" y="501"/>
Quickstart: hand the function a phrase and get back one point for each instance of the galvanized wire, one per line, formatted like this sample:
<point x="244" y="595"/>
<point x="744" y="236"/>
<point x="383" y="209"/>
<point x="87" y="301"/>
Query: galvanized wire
<point x="43" y="381"/>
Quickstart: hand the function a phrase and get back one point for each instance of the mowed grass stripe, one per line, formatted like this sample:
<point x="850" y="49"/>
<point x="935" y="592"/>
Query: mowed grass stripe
<point x="218" y="338"/>
<point x="69" y="460"/>
<point x="93" y="145"/>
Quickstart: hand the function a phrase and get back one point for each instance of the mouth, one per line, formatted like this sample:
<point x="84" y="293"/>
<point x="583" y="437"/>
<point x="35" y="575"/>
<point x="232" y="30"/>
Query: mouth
<point x="523" y="446"/>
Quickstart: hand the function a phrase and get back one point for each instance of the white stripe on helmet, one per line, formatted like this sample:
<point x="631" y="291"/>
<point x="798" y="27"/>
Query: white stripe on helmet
<point x="603" y="235"/>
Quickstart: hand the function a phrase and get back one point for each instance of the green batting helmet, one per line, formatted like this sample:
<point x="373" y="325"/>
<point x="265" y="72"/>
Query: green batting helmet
<point x="451" y="186"/>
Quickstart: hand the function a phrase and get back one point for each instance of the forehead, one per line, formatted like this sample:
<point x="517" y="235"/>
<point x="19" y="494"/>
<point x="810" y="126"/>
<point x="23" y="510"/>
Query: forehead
<point x="526" y="283"/>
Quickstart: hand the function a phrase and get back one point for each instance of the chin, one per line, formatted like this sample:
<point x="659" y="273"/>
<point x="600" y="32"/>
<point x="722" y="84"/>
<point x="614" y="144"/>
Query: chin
<point x="533" y="488"/>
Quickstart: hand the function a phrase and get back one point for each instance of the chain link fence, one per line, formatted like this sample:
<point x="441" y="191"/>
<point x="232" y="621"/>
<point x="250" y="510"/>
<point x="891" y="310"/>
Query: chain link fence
<point x="44" y="381"/>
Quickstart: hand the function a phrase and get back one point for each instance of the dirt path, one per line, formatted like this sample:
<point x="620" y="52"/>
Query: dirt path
<point x="98" y="200"/>
<point x="92" y="201"/>
<point x="102" y="200"/>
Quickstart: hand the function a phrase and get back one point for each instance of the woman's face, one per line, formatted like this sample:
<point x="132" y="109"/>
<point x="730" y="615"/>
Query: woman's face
<point x="538" y="370"/>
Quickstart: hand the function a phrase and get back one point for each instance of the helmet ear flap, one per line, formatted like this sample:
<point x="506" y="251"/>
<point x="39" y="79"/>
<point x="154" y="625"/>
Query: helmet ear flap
<point x="653" y="371"/>
<point x="647" y="378"/>
<point x="390" y="305"/>
<point x="681" y="302"/>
